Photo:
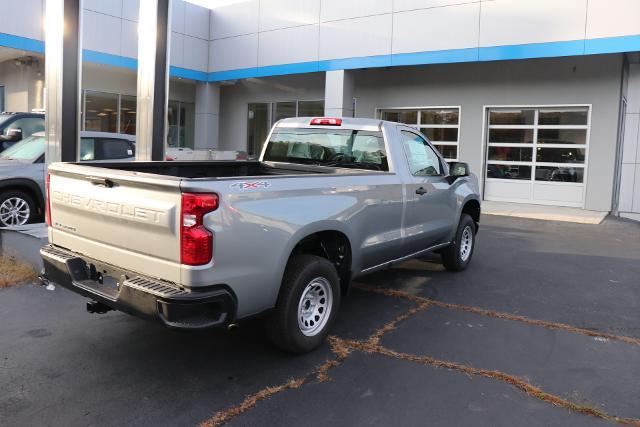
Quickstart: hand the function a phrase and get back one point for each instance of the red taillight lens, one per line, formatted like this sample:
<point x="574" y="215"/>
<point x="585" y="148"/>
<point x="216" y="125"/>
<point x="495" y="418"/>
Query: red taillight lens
<point x="323" y="121"/>
<point x="47" y="208"/>
<point x="196" y="242"/>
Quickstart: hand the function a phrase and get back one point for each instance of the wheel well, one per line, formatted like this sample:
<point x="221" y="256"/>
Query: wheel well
<point x="35" y="195"/>
<point x="472" y="208"/>
<point x="332" y="245"/>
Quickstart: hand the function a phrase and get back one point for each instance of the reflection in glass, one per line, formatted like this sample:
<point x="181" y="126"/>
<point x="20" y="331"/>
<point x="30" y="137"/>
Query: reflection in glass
<point x="562" y="136"/>
<point x="128" y="108"/>
<point x="441" y="134"/>
<point x="511" y="154"/>
<point x="508" y="171"/>
<point x="512" y="117"/>
<point x="401" y="116"/>
<point x="449" y="116"/>
<point x="310" y="108"/>
<point x="563" y="117"/>
<point x="101" y="113"/>
<point x="560" y="155"/>
<point x="181" y="119"/>
<point x="257" y="127"/>
<point x="557" y="173"/>
<point x="447" y="151"/>
<point x="512" y="136"/>
<point x="284" y="110"/>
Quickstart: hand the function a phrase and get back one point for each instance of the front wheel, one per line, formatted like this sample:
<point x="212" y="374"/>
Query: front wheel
<point x="456" y="257"/>
<point x="307" y="305"/>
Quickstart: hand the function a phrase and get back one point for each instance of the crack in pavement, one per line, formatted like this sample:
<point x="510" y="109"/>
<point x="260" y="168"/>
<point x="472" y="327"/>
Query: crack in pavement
<point x="499" y="314"/>
<point x="342" y="348"/>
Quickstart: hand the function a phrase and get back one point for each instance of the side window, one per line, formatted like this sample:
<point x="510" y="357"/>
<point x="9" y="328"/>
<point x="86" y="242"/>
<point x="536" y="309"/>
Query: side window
<point x="113" y="149"/>
<point x="423" y="161"/>
<point x="29" y="126"/>
<point x="87" y="149"/>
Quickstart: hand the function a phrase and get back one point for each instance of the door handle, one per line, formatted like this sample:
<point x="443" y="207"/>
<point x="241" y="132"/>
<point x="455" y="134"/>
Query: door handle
<point x="421" y="191"/>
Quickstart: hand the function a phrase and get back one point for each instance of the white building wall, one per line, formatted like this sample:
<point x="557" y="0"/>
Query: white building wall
<point x="552" y="81"/>
<point x="629" y="201"/>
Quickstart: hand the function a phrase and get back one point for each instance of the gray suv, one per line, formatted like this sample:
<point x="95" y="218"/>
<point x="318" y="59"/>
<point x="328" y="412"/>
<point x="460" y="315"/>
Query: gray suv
<point x="22" y="171"/>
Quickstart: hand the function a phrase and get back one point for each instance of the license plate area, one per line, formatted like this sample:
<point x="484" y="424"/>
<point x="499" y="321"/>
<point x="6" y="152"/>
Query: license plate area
<point x="103" y="279"/>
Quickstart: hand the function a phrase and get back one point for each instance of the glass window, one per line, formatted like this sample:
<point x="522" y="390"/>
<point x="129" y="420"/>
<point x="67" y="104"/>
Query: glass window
<point x="560" y="155"/>
<point x="112" y="149"/>
<point x="563" y="117"/>
<point x="87" y="149"/>
<point x="181" y="119"/>
<point x="511" y="136"/>
<point x="28" y="125"/>
<point x="422" y="160"/>
<point x="512" y="117"/>
<point x="257" y="127"/>
<point x="447" y="151"/>
<point x="441" y="134"/>
<point x="508" y="171"/>
<point x="284" y="110"/>
<point x="562" y="136"/>
<point x="448" y="116"/>
<point x="101" y="113"/>
<point x="409" y="117"/>
<point x="310" y="108"/>
<point x="128" y="107"/>
<point x="511" y="154"/>
<point x="559" y="173"/>
<point x="30" y="148"/>
<point x="328" y="147"/>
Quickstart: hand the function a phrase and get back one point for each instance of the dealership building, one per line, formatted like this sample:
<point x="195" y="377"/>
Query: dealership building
<point x="540" y="97"/>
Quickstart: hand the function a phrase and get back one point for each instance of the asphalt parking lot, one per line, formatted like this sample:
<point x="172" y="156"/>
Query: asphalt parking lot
<point x="542" y="329"/>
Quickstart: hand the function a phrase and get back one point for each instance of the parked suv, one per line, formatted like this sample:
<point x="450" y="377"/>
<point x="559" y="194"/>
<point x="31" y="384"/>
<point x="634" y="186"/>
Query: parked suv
<point x="15" y="127"/>
<point x="22" y="171"/>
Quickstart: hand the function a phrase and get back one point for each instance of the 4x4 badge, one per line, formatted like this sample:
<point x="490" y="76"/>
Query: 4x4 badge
<point x="250" y="185"/>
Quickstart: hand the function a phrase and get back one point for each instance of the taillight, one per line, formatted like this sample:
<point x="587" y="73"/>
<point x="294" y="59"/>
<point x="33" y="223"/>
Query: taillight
<point x="324" y="121"/>
<point x="47" y="208"/>
<point x="196" y="242"/>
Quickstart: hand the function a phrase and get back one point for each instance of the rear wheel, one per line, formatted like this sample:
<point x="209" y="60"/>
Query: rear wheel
<point x="307" y="305"/>
<point x="457" y="256"/>
<point x="16" y="208"/>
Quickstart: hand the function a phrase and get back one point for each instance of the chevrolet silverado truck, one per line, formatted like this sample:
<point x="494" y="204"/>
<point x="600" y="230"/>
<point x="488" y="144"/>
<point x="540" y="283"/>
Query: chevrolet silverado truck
<point x="204" y="244"/>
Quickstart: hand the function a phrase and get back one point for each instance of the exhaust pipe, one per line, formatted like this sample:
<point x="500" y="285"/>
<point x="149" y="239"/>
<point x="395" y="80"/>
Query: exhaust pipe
<point x="232" y="327"/>
<point x="97" y="307"/>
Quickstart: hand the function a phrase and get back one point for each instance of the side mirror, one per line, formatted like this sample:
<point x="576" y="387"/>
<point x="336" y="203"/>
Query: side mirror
<point x="457" y="170"/>
<point x="13" y="135"/>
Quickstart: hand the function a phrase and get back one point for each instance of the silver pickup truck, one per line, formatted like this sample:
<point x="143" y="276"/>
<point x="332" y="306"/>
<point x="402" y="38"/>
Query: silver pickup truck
<point x="202" y="244"/>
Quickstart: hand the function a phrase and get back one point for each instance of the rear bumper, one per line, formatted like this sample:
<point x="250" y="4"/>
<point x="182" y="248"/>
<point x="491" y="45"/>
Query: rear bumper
<point x="141" y="296"/>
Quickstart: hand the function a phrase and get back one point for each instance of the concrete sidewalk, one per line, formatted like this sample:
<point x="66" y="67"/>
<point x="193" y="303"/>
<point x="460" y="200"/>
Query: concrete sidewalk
<point x="549" y="213"/>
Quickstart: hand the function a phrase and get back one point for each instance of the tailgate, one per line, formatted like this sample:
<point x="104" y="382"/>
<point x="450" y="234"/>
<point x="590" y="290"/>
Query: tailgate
<point x="126" y="219"/>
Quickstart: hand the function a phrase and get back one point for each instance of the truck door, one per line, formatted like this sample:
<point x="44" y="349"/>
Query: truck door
<point x="430" y="208"/>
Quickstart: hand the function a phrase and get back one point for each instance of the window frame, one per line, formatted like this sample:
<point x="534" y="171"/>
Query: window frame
<point x="380" y="110"/>
<point x="534" y="145"/>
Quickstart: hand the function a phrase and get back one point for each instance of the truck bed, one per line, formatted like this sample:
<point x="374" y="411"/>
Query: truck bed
<point x="219" y="169"/>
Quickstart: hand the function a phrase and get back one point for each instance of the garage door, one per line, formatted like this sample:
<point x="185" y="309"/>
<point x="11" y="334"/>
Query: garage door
<point x="537" y="155"/>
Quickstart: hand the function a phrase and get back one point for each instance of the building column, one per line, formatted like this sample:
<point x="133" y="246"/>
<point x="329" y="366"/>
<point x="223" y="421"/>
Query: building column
<point x="207" y="115"/>
<point x="338" y="94"/>
<point x="629" y="187"/>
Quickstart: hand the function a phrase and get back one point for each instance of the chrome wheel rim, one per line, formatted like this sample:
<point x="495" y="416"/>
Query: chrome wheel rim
<point x="14" y="211"/>
<point x="466" y="243"/>
<point x="314" y="307"/>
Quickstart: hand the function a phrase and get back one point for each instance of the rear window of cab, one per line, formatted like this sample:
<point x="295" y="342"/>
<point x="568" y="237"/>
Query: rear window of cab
<point x="348" y="148"/>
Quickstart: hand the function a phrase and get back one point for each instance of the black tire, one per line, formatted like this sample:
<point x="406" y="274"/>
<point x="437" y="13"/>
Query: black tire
<point x="17" y="194"/>
<point x="283" y="327"/>
<point x="452" y="256"/>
